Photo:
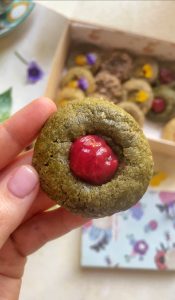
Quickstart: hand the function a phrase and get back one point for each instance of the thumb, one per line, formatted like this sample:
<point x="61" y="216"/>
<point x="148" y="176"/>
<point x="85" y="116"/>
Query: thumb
<point x="18" y="190"/>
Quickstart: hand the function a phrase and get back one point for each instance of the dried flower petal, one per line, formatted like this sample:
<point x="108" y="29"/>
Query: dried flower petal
<point x="34" y="72"/>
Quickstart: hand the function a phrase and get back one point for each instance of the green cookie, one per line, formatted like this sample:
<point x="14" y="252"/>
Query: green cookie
<point x="121" y="132"/>
<point x="168" y="95"/>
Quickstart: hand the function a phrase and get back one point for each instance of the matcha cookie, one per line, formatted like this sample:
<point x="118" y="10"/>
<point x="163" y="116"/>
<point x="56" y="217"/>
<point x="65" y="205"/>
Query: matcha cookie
<point x="68" y="94"/>
<point x="118" y="63"/>
<point x="109" y="86"/>
<point x="146" y="68"/>
<point x="93" y="159"/>
<point x="85" y="55"/>
<point x="134" y="111"/>
<point x="98" y="96"/>
<point x="163" y="105"/>
<point x="167" y="73"/>
<point x="79" y="78"/>
<point x="138" y="91"/>
<point x="169" y="131"/>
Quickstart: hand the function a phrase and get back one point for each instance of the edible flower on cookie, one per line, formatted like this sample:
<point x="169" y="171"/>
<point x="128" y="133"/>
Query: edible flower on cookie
<point x="146" y="68"/>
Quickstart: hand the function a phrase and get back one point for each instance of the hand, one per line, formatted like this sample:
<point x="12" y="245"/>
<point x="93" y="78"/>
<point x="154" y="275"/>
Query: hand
<point x="24" y="223"/>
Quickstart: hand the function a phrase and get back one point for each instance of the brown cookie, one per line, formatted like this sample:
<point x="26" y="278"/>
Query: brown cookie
<point x="118" y="63"/>
<point x="109" y="86"/>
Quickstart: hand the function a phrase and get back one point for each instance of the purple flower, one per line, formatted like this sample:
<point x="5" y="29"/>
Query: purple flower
<point x="91" y="58"/>
<point x="140" y="247"/>
<point x="34" y="72"/>
<point x="137" y="211"/>
<point x="83" y="84"/>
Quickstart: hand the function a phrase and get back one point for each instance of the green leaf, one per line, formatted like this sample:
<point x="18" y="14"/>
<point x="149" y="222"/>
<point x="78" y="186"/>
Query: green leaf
<point x="5" y="105"/>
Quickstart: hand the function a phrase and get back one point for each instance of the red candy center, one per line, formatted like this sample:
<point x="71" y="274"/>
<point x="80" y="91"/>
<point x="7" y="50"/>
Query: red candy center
<point x="158" y="105"/>
<point x="92" y="160"/>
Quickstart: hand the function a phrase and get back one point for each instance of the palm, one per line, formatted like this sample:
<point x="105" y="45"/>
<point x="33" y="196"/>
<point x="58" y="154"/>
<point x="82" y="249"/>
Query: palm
<point x="37" y="226"/>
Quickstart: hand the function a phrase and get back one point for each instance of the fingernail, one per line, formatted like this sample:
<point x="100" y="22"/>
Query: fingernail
<point x="23" y="181"/>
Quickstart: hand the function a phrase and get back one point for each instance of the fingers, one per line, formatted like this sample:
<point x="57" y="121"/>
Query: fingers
<point x="25" y="158"/>
<point x="42" y="201"/>
<point x="45" y="227"/>
<point x="21" y="129"/>
<point x="18" y="190"/>
<point x="9" y="288"/>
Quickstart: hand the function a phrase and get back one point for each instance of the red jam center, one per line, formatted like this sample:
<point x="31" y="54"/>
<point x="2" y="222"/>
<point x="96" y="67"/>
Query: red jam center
<point x="92" y="160"/>
<point x="158" y="105"/>
<point x="166" y="76"/>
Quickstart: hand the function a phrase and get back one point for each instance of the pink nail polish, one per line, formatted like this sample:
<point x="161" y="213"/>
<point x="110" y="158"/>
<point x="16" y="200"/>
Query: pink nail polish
<point x="23" y="181"/>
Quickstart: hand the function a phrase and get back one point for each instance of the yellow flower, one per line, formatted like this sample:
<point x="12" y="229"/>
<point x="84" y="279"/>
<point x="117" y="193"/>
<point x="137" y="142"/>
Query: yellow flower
<point x="141" y="96"/>
<point x="158" y="178"/>
<point x="147" y="71"/>
<point x="80" y="60"/>
<point x="73" y="84"/>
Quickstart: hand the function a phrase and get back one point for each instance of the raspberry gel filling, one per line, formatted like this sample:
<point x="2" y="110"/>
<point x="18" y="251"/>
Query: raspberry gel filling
<point x="158" y="105"/>
<point x="92" y="160"/>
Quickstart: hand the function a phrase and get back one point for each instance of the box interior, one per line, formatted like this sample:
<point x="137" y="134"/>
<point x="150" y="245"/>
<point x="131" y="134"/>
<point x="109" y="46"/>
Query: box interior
<point x="113" y="38"/>
<point x="108" y="38"/>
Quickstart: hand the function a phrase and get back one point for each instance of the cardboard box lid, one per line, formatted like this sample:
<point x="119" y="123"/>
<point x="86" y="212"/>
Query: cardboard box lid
<point x="147" y="18"/>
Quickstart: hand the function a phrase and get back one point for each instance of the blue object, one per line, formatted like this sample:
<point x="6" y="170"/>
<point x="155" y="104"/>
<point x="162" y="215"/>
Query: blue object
<point x="17" y="12"/>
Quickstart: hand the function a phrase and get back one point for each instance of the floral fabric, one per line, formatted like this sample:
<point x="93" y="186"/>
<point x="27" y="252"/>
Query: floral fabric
<point x="142" y="237"/>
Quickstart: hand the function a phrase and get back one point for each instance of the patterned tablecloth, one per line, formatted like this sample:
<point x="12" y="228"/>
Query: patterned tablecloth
<point x="143" y="237"/>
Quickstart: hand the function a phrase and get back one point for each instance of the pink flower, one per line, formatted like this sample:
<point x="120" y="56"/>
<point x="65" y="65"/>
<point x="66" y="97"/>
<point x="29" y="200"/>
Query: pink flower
<point x="167" y="197"/>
